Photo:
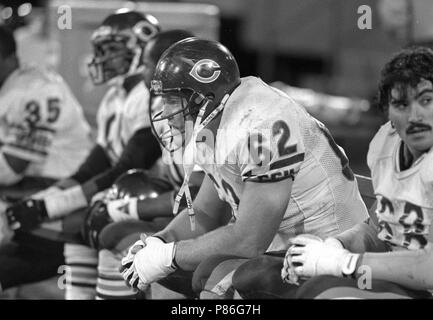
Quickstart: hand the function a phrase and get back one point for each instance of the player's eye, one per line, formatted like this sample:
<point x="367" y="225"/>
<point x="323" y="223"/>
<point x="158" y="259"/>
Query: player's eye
<point x="425" y="100"/>
<point x="399" y="105"/>
<point x="111" y="47"/>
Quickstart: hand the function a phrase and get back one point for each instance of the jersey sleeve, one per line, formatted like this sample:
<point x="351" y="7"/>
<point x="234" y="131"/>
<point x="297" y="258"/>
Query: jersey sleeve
<point x="31" y="121"/>
<point x="427" y="172"/>
<point x="272" y="148"/>
<point x="377" y="144"/>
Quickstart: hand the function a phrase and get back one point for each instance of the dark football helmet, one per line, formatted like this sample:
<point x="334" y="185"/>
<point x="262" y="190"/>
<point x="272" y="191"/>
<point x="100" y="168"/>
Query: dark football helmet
<point x="196" y="72"/>
<point x="118" y="45"/>
<point x="133" y="183"/>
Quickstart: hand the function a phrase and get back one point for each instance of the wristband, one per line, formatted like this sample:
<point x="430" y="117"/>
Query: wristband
<point x="173" y="261"/>
<point x="132" y="208"/>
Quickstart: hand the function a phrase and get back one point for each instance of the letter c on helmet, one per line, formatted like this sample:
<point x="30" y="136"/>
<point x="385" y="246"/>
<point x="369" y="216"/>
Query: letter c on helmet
<point x="205" y="71"/>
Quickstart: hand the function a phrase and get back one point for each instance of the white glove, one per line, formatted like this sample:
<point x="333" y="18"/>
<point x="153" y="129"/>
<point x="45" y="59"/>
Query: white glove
<point x="321" y="258"/>
<point x="123" y="209"/>
<point x="128" y="270"/>
<point x="288" y="273"/>
<point x="155" y="260"/>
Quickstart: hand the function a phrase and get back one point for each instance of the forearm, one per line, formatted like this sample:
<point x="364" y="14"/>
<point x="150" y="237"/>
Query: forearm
<point x="412" y="269"/>
<point x="140" y="152"/>
<point x="362" y="238"/>
<point x="224" y="240"/>
<point x="180" y="228"/>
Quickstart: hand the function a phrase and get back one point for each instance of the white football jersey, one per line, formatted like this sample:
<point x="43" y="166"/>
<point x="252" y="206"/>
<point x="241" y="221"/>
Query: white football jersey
<point x="42" y="122"/>
<point x="119" y="116"/>
<point x="265" y="136"/>
<point x="405" y="197"/>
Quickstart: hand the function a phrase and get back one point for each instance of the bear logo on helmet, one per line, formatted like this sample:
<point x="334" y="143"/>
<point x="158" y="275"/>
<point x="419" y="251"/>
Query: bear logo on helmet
<point x="205" y="71"/>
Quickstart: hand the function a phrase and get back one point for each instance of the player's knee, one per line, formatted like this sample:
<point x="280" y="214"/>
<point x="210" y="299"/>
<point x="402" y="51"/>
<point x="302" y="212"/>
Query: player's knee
<point x="115" y="233"/>
<point x="159" y="292"/>
<point x="213" y="277"/>
<point x="203" y="272"/>
<point x="111" y="235"/>
<point x="313" y="287"/>
<point x="179" y="281"/>
<point x="260" y="274"/>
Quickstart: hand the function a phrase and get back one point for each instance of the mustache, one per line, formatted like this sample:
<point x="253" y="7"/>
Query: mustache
<point x="417" y="125"/>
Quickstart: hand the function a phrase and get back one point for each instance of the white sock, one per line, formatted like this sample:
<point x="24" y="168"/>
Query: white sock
<point x="110" y="283"/>
<point x="82" y="262"/>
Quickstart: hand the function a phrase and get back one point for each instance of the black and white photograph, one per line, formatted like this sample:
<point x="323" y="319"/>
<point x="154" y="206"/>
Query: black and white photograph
<point x="240" y="152"/>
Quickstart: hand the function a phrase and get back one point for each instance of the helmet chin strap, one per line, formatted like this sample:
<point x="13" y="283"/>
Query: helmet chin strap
<point x="135" y="66"/>
<point x="189" y="155"/>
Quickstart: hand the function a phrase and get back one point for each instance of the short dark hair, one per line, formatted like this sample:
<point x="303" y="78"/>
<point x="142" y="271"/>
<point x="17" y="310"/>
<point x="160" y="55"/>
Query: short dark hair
<point x="163" y="40"/>
<point x="405" y="69"/>
<point x="8" y="45"/>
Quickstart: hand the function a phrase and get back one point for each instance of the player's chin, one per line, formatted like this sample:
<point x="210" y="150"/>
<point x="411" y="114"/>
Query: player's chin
<point x="421" y="142"/>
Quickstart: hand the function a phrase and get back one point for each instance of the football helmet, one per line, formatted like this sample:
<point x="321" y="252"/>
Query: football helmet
<point x="133" y="183"/>
<point x="192" y="74"/>
<point x="118" y="45"/>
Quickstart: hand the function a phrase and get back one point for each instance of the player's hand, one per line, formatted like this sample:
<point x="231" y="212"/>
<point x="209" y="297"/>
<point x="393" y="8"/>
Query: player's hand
<point x="122" y="209"/>
<point x="127" y="268"/>
<point x="26" y="215"/>
<point x="155" y="260"/>
<point x="314" y="257"/>
<point x="152" y="263"/>
<point x="288" y="273"/>
<point x="334" y="242"/>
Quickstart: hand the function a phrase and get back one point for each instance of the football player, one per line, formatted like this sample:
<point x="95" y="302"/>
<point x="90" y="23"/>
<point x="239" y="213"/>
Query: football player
<point x="394" y="258"/>
<point x="124" y="140"/>
<point x="272" y="170"/>
<point x="44" y="137"/>
<point x="43" y="132"/>
<point x="137" y="214"/>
